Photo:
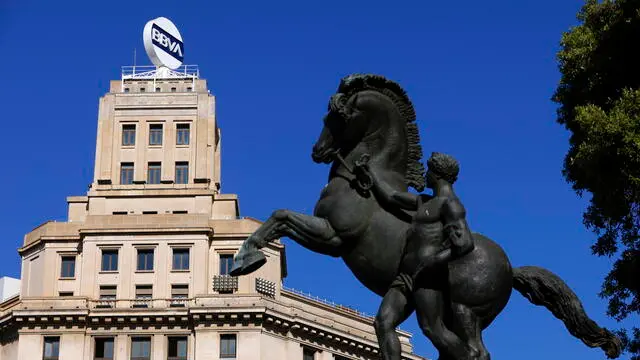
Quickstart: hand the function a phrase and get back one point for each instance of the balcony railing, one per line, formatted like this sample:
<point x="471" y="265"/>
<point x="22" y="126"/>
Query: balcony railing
<point x="142" y="303"/>
<point x="145" y="303"/>
<point x="225" y="284"/>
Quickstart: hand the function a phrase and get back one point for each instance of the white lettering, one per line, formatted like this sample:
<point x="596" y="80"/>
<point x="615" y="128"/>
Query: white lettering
<point x="166" y="42"/>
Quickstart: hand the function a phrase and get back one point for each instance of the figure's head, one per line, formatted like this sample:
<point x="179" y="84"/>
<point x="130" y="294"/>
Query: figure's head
<point x="442" y="167"/>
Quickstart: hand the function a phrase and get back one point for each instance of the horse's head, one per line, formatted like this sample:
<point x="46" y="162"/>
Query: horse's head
<point x="373" y="110"/>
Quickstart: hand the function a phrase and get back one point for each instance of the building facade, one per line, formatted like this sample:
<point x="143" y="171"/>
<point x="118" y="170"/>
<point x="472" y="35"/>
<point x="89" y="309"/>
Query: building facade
<point x="140" y="268"/>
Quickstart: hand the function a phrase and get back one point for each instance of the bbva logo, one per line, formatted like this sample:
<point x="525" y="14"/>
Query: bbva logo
<point x="167" y="42"/>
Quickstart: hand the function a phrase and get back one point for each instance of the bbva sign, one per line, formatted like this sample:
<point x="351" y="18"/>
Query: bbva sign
<point x="163" y="43"/>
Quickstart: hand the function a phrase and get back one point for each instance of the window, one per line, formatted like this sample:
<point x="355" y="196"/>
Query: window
<point x="128" y="135"/>
<point x="143" y="89"/>
<point x="338" y="357"/>
<point x="145" y="259"/>
<point x="153" y="174"/>
<point x="180" y="212"/>
<point x="226" y="263"/>
<point x="308" y="354"/>
<point x="126" y="90"/>
<point x="180" y="259"/>
<point x="173" y="89"/>
<point x="144" y="293"/>
<point x="51" y="349"/>
<point x="65" y="293"/>
<point x="177" y="348"/>
<point x="109" y="260"/>
<point x="189" y="89"/>
<point x="227" y="346"/>
<point x="107" y="292"/>
<point x="149" y="213"/>
<point x="179" y="294"/>
<point x="119" y="213"/>
<point x="68" y="268"/>
<point x="182" y="172"/>
<point x="104" y="349"/>
<point x="126" y="173"/>
<point x="140" y="348"/>
<point x="155" y="134"/>
<point x="179" y="291"/>
<point x="157" y="89"/>
<point x="182" y="134"/>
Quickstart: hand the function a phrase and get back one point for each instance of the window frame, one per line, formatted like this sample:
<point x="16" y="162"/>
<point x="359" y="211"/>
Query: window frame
<point x="182" y="166"/>
<point x="227" y="265"/>
<point x="44" y="348"/>
<point x="156" y="167"/>
<point x="235" y="346"/>
<point x="132" y="340"/>
<point x="145" y="251"/>
<point x="129" y="167"/>
<point x="173" y="258"/>
<point x="63" y="275"/>
<point x="128" y="135"/>
<point x="111" y="262"/>
<point x="156" y="134"/>
<point x="95" y="347"/>
<point x="177" y="356"/>
<point x="181" y="129"/>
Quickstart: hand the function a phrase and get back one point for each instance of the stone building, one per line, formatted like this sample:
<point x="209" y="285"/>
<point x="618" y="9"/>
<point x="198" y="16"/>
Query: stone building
<point x="139" y="269"/>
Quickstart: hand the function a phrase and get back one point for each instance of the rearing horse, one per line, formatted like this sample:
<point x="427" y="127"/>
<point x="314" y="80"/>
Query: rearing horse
<point x="372" y="115"/>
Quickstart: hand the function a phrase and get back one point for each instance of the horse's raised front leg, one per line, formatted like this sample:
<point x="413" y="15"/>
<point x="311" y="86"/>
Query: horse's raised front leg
<point x="314" y="233"/>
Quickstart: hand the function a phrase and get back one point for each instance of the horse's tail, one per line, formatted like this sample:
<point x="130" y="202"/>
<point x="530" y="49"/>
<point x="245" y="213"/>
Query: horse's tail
<point x="542" y="287"/>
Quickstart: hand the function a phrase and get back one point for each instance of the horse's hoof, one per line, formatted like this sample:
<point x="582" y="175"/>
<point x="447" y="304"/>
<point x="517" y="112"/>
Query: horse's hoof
<point x="248" y="263"/>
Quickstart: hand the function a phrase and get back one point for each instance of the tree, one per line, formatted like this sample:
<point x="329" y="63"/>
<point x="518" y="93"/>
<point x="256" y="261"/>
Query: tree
<point x="599" y="103"/>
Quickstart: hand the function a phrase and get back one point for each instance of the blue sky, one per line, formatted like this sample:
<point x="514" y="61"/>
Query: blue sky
<point x="480" y="74"/>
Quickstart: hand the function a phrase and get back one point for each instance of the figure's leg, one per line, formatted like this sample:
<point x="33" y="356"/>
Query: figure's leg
<point x="429" y="305"/>
<point x="314" y="233"/>
<point x="394" y="310"/>
<point x="467" y="325"/>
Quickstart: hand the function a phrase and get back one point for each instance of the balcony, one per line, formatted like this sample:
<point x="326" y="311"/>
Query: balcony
<point x="140" y="303"/>
<point x="225" y="284"/>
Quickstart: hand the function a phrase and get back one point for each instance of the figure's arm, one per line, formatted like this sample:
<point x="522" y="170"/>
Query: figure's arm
<point x="401" y="199"/>
<point x="456" y="229"/>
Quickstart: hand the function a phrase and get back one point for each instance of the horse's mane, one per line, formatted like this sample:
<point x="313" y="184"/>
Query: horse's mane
<point x="351" y="84"/>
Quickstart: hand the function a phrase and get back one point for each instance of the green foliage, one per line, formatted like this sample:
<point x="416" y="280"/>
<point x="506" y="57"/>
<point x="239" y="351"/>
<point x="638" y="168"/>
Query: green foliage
<point x="599" y="98"/>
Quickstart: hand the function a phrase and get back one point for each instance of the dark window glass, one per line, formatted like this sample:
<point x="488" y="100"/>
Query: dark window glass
<point x="180" y="259"/>
<point x="227" y="346"/>
<point x="173" y="89"/>
<point x="109" y="260"/>
<point x="68" y="269"/>
<point x="157" y="89"/>
<point x="182" y="134"/>
<point x="143" y="89"/>
<point x="128" y="135"/>
<point x="65" y="293"/>
<point x="226" y="263"/>
<point x="126" y="173"/>
<point x="126" y="90"/>
<point x="140" y="348"/>
<point x="189" y="89"/>
<point x="155" y="134"/>
<point x="182" y="172"/>
<point x="308" y="354"/>
<point x="51" y="349"/>
<point x="177" y="348"/>
<point x="153" y="175"/>
<point x="144" y="291"/>
<point x="104" y="349"/>
<point x="145" y="259"/>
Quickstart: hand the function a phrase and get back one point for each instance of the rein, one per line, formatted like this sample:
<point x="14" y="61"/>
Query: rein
<point x="362" y="177"/>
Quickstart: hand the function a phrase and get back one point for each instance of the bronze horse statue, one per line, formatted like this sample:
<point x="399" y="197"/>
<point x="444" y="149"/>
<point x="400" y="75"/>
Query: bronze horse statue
<point x="370" y="114"/>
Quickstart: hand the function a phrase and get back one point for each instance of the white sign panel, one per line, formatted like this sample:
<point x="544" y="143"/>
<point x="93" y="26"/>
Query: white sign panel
<point x="163" y="43"/>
